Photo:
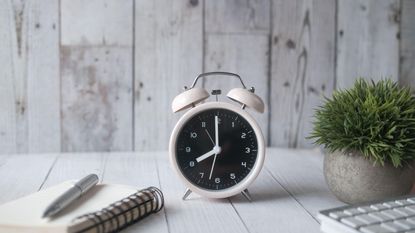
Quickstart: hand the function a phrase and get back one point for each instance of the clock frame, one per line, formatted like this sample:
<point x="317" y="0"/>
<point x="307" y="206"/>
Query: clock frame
<point x="247" y="180"/>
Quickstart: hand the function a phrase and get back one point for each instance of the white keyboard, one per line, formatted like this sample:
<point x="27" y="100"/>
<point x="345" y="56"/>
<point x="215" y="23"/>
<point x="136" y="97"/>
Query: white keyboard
<point x="394" y="215"/>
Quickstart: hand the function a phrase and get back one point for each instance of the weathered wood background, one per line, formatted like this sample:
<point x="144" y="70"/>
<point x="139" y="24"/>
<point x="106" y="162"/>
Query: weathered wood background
<point x="99" y="75"/>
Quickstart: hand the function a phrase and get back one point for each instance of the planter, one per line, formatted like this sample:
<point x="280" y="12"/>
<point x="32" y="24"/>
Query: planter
<point x="353" y="178"/>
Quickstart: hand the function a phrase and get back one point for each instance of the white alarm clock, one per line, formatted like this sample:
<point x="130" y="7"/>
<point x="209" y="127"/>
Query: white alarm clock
<point x="217" y="148"/>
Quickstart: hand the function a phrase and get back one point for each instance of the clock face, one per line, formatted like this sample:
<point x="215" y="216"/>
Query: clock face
<point x="216" y="149"/>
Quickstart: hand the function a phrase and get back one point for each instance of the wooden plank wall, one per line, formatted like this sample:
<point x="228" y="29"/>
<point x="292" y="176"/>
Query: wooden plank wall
<point x="100" y="75"/>
<point x="237" y="40"/>
<point x="302" y="66"/>
<point x="407" y="47"/>
<point x="29" y="76"/>
<point x="96" y="75"/>
<point x="368" y="45"/>
<point x="168" y="53"/>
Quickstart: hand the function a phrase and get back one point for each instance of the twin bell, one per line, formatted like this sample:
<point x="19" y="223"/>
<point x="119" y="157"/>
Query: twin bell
<point x="194" y="95"/>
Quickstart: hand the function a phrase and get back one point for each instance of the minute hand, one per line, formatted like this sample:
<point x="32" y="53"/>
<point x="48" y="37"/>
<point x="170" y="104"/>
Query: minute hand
<point x="216" y="131"/>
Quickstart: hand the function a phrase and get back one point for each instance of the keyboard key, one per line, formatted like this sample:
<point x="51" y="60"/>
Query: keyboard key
<point x="393" y="227"/>
<point x="338" y="215"/>
<point x="391" y="204"/>
<point x="367" y="219"/>
<point x="393" y="214"/>
<point x="352" y="211"/>
<point x="404" y="211"/>
<point x="388" y="216"/>
<point x="378" y="207"/>
<point x="375" y="229"/>
<point x="380" y="216"/>
<point x="353" y="222"/>
<point x="365" y="209"/>
<point x="406" y="224"/>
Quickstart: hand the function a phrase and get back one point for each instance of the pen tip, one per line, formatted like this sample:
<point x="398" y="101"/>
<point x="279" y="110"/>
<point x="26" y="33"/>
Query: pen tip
<point x="46" y="214"/>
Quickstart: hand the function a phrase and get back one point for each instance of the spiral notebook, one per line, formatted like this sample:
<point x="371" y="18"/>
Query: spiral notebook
<point x="105" y="208"/>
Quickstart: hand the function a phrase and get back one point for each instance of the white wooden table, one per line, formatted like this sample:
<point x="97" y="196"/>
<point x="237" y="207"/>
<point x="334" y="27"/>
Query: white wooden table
<point x="286" y="196"/>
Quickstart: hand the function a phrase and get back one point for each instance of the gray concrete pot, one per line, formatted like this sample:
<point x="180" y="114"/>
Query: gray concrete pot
<point x="353" y="178"/>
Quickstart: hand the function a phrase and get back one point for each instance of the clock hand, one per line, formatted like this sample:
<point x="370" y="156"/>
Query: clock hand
<point x="213" y="165"/>
<point x="216" y="150"/>
<point x="217" y="147"/>
<point x="216" y="131"/>
<point x="210" y="137"/>
<point x="206" y="155"/>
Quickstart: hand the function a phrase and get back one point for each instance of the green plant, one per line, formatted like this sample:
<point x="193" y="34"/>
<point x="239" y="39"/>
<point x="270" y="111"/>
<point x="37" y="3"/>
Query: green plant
<point x="377" y="119"/>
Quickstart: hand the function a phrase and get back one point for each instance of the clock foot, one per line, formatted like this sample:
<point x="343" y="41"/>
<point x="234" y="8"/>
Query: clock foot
<point x="186" y="194"/>
<point x="246" y="194"/>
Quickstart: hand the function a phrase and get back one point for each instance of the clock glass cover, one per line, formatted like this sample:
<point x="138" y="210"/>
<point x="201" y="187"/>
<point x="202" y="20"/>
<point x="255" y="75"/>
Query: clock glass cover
<point x="216" y="149"/>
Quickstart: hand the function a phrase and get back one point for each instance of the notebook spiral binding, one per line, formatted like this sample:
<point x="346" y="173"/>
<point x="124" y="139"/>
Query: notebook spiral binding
<point x="124" y="213"/>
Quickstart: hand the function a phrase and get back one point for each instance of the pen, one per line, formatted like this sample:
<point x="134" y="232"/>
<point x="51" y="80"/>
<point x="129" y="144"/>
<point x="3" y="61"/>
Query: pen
<point x="79" y="188"/>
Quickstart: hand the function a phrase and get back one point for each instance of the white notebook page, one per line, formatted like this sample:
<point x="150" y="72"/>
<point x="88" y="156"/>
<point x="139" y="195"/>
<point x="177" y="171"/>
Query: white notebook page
<point x="24" y="214"/>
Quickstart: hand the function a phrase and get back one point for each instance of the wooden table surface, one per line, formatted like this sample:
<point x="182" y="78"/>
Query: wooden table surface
<point x="287" y="195"/>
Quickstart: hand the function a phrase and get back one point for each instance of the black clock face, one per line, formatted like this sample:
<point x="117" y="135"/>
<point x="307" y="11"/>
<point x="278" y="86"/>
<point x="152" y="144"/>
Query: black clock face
<point x="216" y="149"/>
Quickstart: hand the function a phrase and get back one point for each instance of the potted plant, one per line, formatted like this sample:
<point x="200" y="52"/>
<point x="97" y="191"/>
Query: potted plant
<point x="368" y="132"/>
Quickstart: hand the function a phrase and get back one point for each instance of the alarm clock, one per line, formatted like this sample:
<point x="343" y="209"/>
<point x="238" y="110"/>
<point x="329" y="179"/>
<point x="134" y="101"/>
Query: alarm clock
<point x="217" y="148"/>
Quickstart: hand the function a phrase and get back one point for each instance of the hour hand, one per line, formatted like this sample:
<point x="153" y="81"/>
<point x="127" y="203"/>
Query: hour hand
<point x="206" y="155"/>
<point x="215" y="150"/>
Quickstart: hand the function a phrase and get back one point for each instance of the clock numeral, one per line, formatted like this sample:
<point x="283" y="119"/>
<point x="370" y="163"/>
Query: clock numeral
<point x="243" y="135"/>
<point x="193" y="135"/>
<point x="247" y="150"/>
<point x="232" y="175"/>
<point x="217" y="180"/>
<point x="219" y="121"/>
<point x="233" y="124"/>
<point x="243" y="164"/>
<point x="188" y="149"/>
<point x="192" y="163"/>
<point x="203" y="124"/>
<point x="201" y="174"/>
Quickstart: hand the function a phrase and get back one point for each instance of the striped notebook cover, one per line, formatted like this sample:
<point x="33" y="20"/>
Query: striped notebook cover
<point x="105" y="208"/>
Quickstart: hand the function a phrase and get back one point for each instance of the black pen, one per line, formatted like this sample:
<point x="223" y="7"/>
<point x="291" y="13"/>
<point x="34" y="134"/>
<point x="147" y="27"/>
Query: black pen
<point x="79" y="188"/>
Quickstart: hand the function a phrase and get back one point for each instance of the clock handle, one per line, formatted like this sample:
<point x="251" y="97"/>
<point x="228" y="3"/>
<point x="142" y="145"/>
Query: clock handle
<point x="192" y="96"/>
<point x="243" y="96"/>
<point x="218" y="73"/>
